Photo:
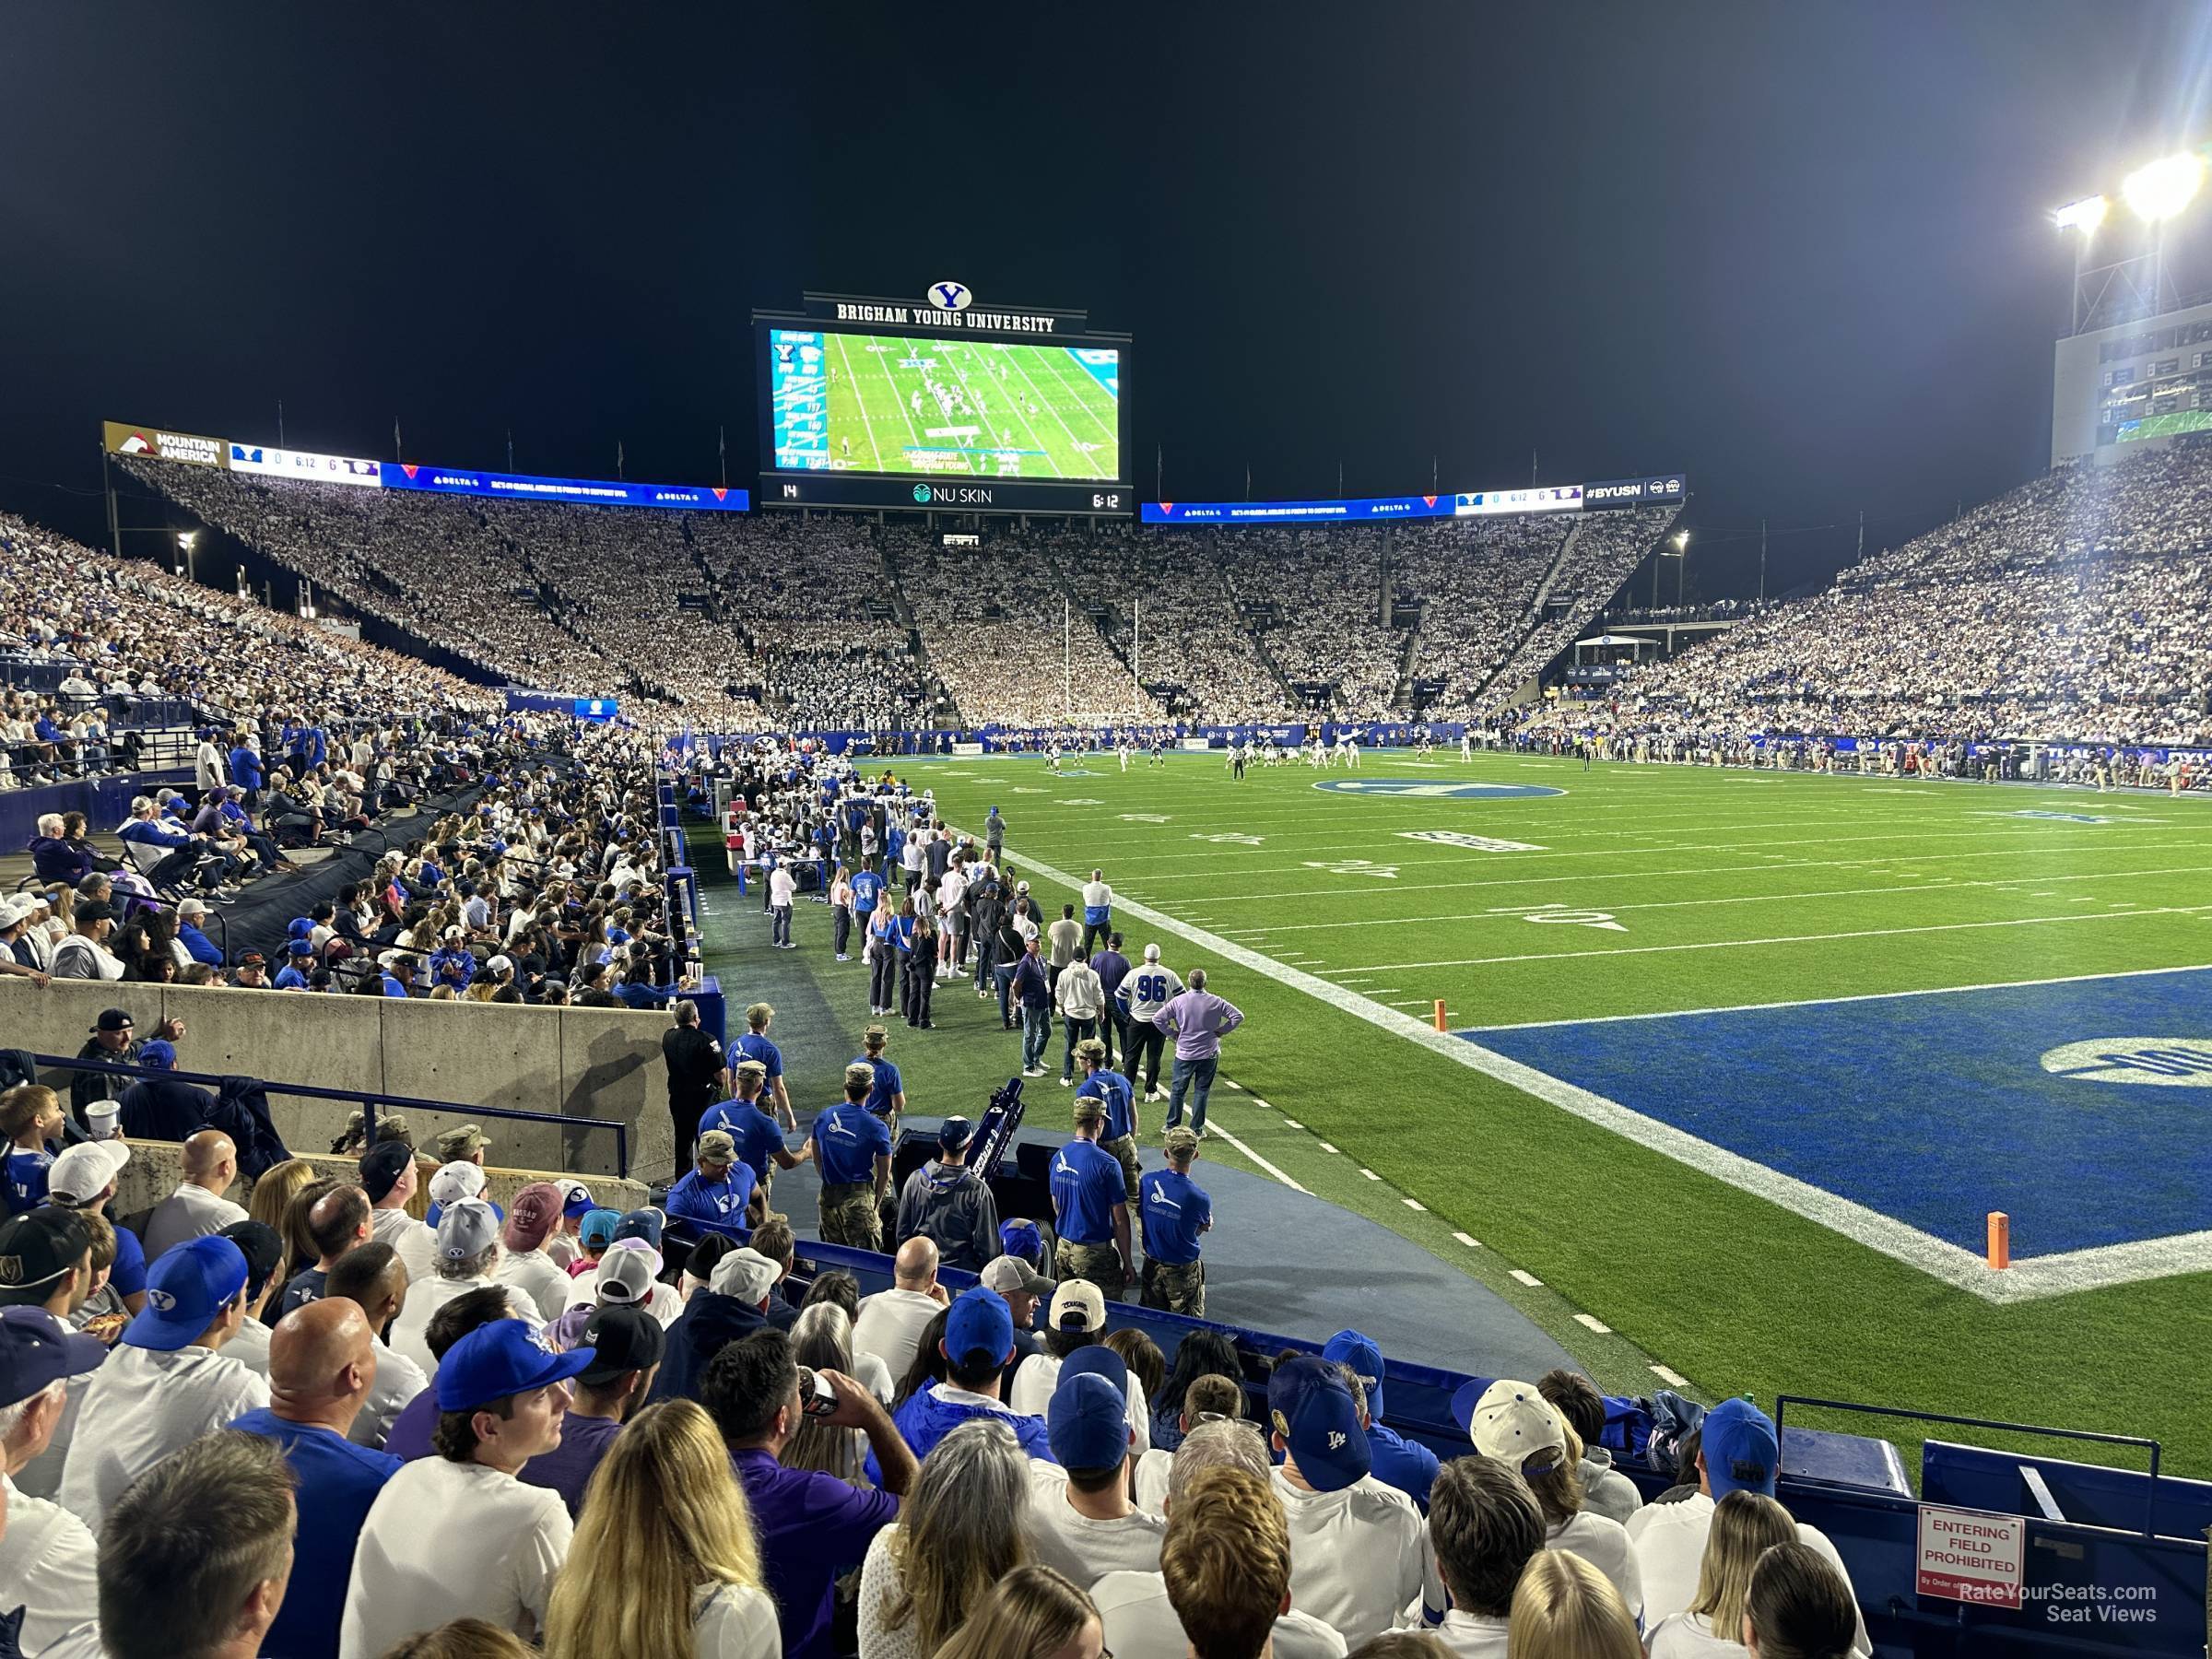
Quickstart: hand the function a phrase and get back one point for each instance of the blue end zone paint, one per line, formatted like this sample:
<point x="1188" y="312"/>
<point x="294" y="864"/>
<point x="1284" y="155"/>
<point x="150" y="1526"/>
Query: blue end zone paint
<point x="1936" y="1109"/>
<point x="1421" y="789"/>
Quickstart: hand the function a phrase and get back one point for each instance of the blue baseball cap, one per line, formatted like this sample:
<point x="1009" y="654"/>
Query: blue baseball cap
<point x="1021" y="1239"/>
<point x="37" y="1349"/>
<point x="158" y="1053"/>
<point x="1739" y="1449"/>
<point x="1311" y="1409"/>
<point x="506" y="1357"/>
<point x="1097" y="1360"/>
<point x="644" y="1224"/>
<point x="300" y="927"/>
<point x="979" y="1322"/>
<point x="298" y="947"/>
<point x="576" y="1199"/>
<point x="187" y="1287"/>
<point x="1087" y="1423"/>
<point x="1349" y="1348"/>
<point x="598" y="1227"/>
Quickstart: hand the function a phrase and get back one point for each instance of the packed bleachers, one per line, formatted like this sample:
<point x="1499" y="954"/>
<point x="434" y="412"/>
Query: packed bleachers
<point x="2077" y="607"/>
<point x="1600" y="552"/>
<point x="1479" y="581"/>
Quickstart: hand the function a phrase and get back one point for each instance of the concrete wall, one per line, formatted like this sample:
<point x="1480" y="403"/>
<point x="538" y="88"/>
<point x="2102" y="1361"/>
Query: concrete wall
<point x="600" y="1062"/>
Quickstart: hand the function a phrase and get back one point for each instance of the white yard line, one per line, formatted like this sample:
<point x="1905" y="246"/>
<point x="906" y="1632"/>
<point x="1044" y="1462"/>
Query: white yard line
<point x="2027" y="1280"/>
<point x="861" y="397"/>
<point x="1859" y="933"/>
<point x="1213" y="1128"/>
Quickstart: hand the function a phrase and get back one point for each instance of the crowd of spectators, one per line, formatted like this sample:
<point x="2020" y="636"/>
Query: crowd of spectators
<point x="1600" y="552"/>
<point x="2078" y="608"/>
<point x="1477" y="582"/>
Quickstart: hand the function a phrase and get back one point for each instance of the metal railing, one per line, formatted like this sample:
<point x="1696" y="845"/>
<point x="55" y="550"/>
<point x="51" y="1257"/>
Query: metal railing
<point x="372" y="1101"/>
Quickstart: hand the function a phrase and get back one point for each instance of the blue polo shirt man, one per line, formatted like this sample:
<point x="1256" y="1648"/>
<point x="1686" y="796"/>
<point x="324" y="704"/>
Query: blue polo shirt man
<point x="1406" y="1464"/>
<point x="718" y="1188"/>
<point x="322" y="1363"/>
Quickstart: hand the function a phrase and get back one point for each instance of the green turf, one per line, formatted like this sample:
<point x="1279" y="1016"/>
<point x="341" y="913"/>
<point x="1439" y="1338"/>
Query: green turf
<point x="1042" y="414"/>
<point x="1728" y="887"/>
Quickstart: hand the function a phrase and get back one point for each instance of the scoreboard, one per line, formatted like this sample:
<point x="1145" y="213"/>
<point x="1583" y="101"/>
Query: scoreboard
<point x="940" y="405"/>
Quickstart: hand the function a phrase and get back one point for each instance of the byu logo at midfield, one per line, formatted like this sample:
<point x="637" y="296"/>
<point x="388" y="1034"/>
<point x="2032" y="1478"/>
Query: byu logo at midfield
<point x="1421" y="789"/>
<point x="949" y="295"/>
<point x="2170" y="1062"/>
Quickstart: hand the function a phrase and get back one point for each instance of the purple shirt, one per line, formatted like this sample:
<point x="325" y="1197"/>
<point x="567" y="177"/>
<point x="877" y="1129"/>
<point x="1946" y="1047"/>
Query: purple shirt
<point x="1198" y="1021"/>
<point x="567" y="1469"/>
<point x="410" y="1436"/>
<point x="812" y="1529"/>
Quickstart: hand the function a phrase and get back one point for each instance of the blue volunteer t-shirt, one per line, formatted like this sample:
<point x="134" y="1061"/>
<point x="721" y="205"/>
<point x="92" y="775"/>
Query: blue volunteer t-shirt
<point x="26" y="1187"/>
<point x="754" y="1046"/>
<point x="1175" y="1208"/>
<point x="339" y="1481"/>
<point x="758" y="1136"/>
<point x="1114" y="1089"/>
<point x="886" y="1083"/>
<point x="847" y="1140"/>
<point x="1087" y="1183"/>
<point x="719" y="1202"/>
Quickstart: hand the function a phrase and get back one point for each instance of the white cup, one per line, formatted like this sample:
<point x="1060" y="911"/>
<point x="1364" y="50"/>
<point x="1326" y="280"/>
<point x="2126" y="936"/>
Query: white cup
<point x="102" y="1116"/>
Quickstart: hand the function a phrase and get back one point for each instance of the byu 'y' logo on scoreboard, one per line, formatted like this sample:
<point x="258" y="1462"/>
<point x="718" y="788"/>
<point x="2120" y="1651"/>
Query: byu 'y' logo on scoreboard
<point x="949" y="295"/>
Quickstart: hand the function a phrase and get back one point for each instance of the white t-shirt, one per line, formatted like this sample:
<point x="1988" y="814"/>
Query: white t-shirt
<point x="1670" y="1546"/>
<point x="1358" y="1556"/>
<point x="445" y="1540"/>
<point x="1153" y="1471"/>
<point x="411" y="1240"/>
<point x="141" y="1406"/>
<point x="1036" y="1377"/>
<point x="41" y="1477"/>
<point x="1605" y="1545"/>
<point x="398" y="1381"/>
<point x="728" y="1622"/>
<point x="190" y="1212"/>
<point x="49" y="1566"/>
<point x="250" y="1348"/>
<point x="874" y="1375"/>
<point x="427" y="1296"/>
<point x="1082" y="1549"/>
<point x="1472" y="1635"/>
<point x="1140" y="1623"/>
<point x="781" y="888"/>
<point x="533" y="1271"/>
<point x="1689" y="1636"/>
<point x="889" y="1325"/>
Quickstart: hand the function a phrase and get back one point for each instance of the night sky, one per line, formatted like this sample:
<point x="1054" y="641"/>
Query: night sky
<point x="1800" y="251"/>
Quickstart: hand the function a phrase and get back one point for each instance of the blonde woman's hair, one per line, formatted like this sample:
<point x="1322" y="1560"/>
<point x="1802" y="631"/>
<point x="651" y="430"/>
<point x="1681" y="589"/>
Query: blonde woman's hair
<point x="959" y="1531"/>
<point x="1556" y="1477"/>
<point x="1031" y="1611"/>
<point x="1744" y="1526"/>
<point x="1565" y="1608"/>
<point x="662" y="1515"/>
<point x="274" y="1191"/>
<point x="822" y="1337"/>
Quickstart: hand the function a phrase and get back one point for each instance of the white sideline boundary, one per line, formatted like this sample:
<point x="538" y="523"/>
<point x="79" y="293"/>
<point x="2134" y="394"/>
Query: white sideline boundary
<point x="2030" y="1279"/>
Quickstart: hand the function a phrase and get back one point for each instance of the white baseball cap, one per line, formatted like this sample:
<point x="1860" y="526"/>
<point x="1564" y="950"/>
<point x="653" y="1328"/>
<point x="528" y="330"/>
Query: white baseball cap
<point x="455" y="1181"/>
<point x="745" y="1274"/>
<point x="626" y="1276"/>
<point x="82" y="1173"/>
<point x="1077" y="1305"/>
<point x="1512" y="1420"/>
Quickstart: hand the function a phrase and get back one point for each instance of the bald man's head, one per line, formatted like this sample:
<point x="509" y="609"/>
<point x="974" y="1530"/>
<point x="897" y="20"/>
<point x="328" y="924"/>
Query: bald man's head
<point x="322" y="1361"/>
<point x="915" y="1267"/>
<point x="337" y="1221"/>
<point x="209" y="1153"/>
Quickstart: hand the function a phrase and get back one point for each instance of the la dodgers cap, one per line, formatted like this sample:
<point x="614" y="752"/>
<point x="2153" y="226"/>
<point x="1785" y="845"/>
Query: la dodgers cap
<point x="1311" y="1409"/>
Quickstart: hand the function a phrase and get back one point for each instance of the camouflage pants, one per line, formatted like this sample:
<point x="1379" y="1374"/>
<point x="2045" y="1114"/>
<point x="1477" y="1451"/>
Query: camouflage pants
<point x="1177" y="1288"/>
<point x="1100" y="1264"/>
<point x="1123" y="1146"/>
<point x="849" y="1215"/>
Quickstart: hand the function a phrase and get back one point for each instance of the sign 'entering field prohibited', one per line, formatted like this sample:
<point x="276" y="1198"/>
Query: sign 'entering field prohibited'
<point x="1971" y="1556"/>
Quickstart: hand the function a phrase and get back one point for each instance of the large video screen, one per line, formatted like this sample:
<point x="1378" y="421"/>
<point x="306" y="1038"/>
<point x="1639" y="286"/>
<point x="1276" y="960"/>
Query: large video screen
<point x="965" y="409"/>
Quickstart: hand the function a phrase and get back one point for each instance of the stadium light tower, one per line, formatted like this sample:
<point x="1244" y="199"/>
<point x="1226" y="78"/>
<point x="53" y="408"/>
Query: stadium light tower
<point x="2155" y="193"/>
<point x="185" y="539"/>
<point x="1680" y="554"/>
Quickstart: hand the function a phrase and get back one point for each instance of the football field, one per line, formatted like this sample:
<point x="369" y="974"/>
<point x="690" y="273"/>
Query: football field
<point x="1734" y="1065"/>
<point x="972" y="407"/>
